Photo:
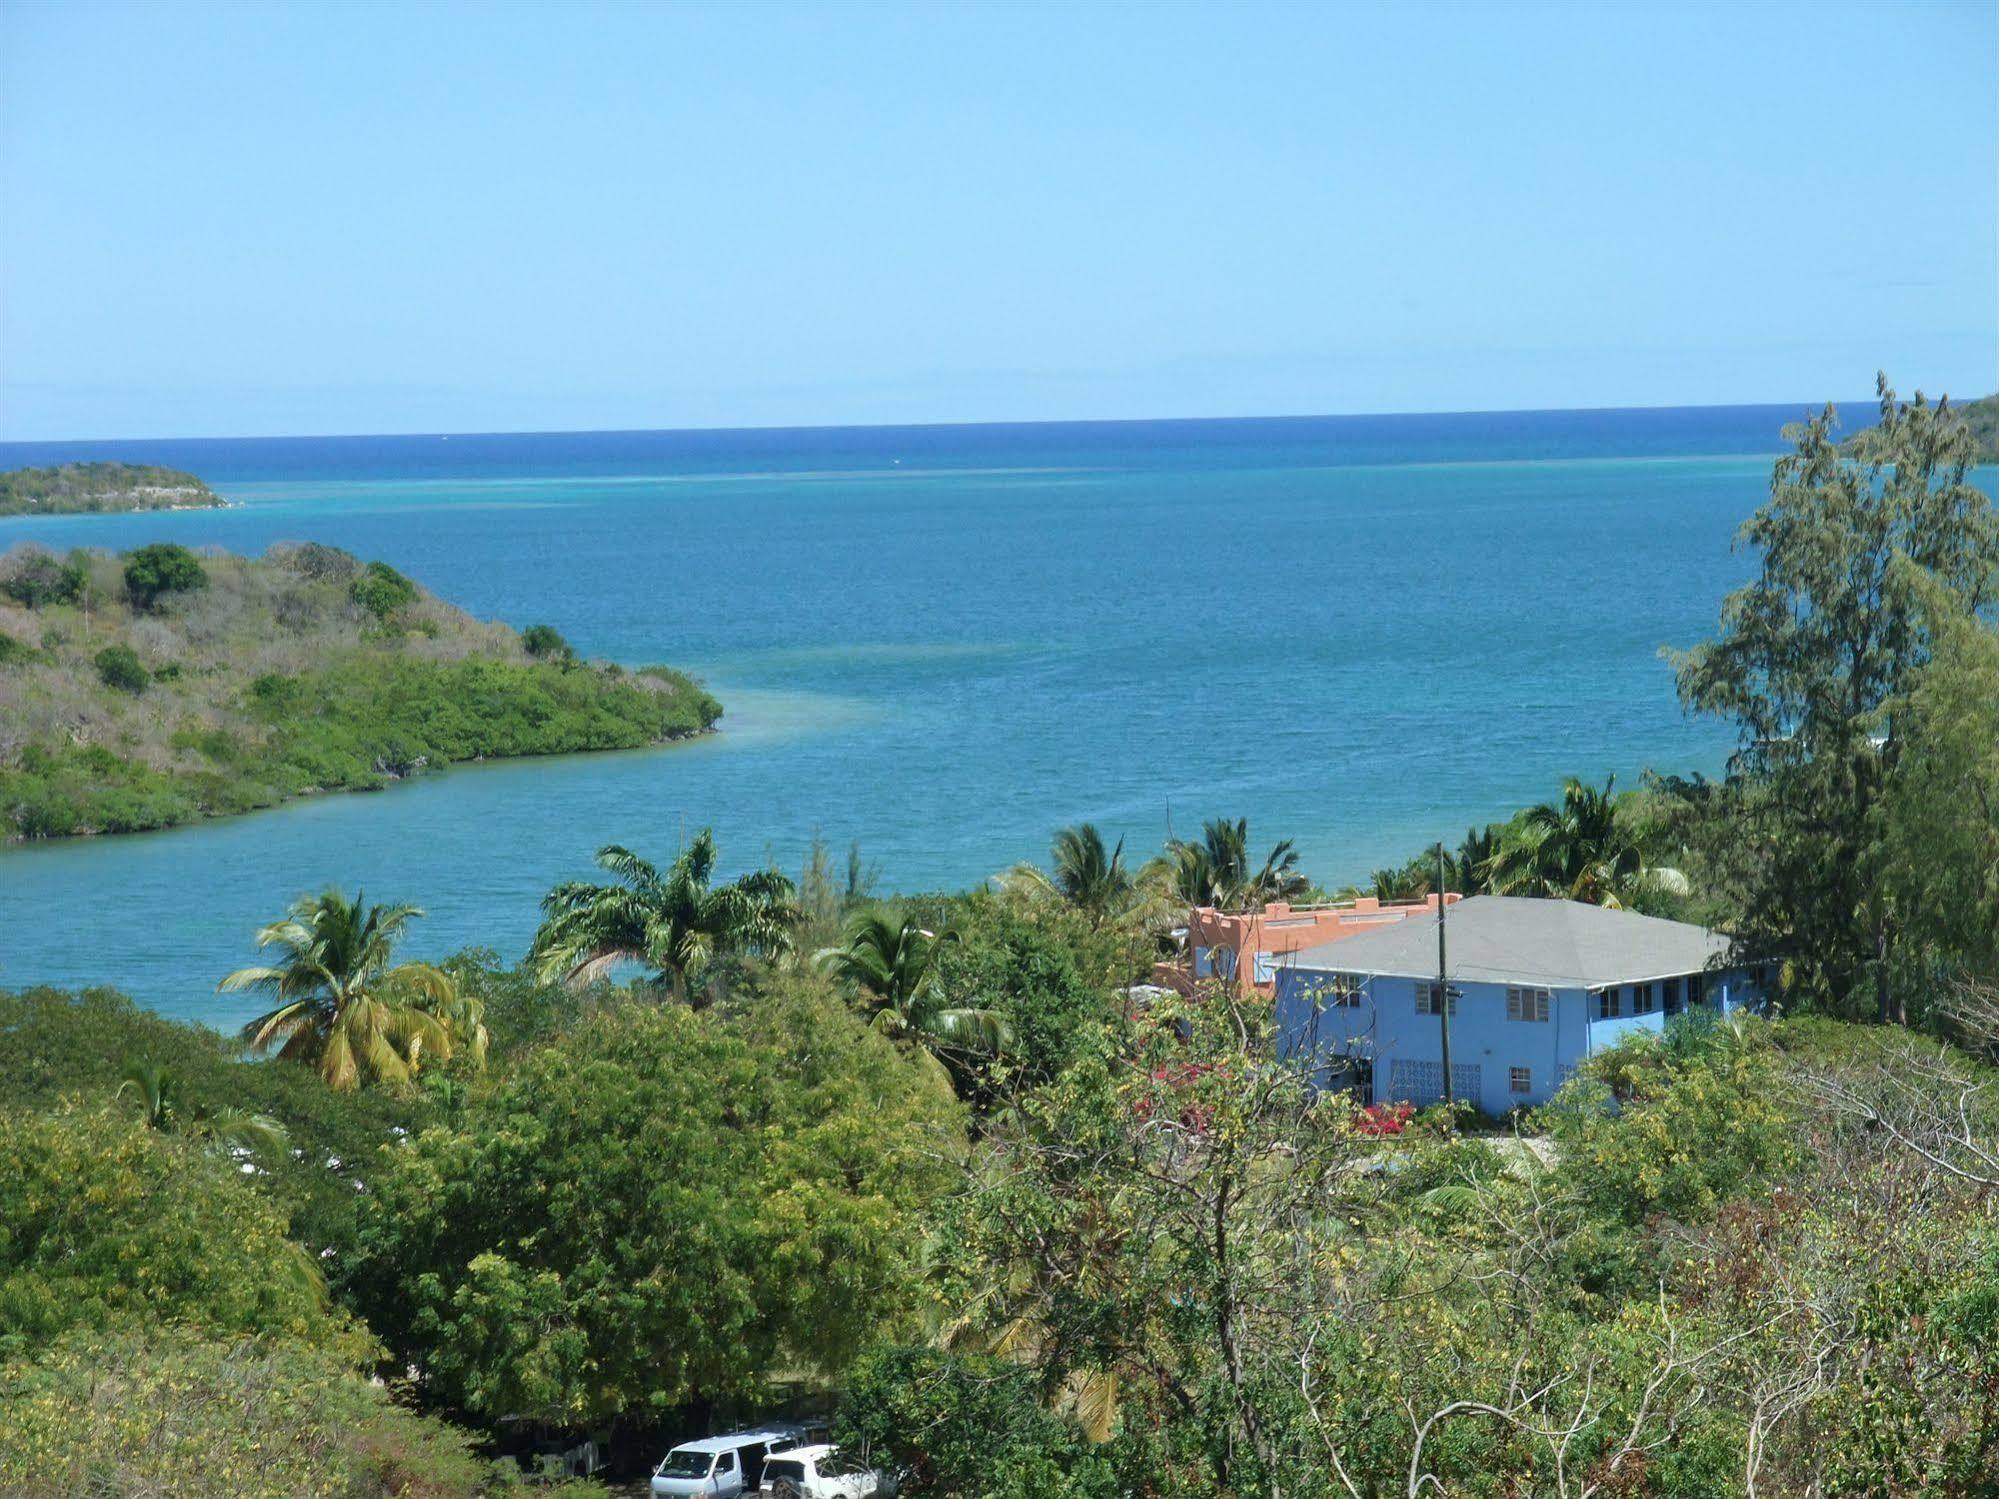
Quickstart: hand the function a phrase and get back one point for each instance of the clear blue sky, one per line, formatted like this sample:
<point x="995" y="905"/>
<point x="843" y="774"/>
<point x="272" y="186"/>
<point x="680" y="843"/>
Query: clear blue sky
<point x="245" y="219"/>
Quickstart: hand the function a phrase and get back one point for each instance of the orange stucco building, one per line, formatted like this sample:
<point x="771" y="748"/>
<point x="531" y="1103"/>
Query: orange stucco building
<point x="1256" y="943"/>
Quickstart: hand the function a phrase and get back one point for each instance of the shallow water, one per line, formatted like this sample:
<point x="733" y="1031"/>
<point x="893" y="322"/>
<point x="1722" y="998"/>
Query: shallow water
<point x="1360" y="633"/>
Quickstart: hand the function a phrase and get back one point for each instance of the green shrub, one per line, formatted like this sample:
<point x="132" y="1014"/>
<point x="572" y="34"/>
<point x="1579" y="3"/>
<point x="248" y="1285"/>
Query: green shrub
<point x="38" y="580"/>
<point x="119" y="666"/>
<point x="12" y="649"/>
<point x="55" y="1044"/>
<point x="173" y="1234"/>
<point x="166" y="1413"/>
<point x="1673" y="1127"/>
<point x="777" y="1160"/>
<point x="381" y="590"/>
<point x="54" y="792"/>
<point x="165" y="567"/>
<point x="969" y="1425"/>
<point x="545" y="642"/>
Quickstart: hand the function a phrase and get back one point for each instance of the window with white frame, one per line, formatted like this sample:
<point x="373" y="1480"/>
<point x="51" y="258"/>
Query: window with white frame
<point x="1345" y="989"/>
<point x="1607" y="1007"/>
<point x="1641" y="999"/>
<point x="1430" y="999"/>
<point x="1520" y="1080"/>
<point x="1527" y="1004"/>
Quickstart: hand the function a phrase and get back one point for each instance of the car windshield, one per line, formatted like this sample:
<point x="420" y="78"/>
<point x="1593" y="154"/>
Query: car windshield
<point x="681" y="1464"/>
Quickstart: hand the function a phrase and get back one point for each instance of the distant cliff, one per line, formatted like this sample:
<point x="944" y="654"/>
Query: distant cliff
<point x="87" y="488"/>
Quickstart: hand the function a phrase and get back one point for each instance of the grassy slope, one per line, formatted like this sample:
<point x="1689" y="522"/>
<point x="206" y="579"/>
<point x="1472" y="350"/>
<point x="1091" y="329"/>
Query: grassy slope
<point x="272" y="682"/>
<point x="85" y="488"/>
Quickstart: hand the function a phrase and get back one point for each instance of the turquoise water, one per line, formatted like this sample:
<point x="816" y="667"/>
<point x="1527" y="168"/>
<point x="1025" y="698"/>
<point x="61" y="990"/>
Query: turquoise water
<point x="947" y="643"/>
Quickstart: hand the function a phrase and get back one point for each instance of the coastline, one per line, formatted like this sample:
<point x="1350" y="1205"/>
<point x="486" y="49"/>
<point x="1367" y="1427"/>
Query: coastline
<point x="390" y="778"/>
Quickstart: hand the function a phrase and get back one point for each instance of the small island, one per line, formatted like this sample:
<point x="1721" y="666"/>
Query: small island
<point x="158" y="686"/>
<point x="102" y="488"/>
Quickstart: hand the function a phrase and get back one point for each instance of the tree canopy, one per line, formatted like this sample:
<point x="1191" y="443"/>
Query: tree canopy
<point x="1867" y="552"/>
<point x="159" y="569"/>
<point x="661" y="1205"/>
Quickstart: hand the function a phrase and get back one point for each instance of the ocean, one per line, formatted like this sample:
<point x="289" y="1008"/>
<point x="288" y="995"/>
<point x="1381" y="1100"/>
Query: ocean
<point x="1361" y="633"/>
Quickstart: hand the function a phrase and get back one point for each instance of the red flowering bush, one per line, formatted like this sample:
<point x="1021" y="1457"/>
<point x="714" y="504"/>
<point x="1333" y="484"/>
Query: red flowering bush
<point x="1174" y="1076"/>
<point x="1381" y="1119"/>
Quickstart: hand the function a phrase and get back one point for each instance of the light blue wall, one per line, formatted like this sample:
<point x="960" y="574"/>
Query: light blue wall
<point x="1385" y="1028"/>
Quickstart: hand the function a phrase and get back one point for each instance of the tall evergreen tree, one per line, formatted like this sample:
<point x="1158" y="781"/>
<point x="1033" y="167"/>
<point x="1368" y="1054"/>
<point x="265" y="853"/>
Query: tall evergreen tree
<point x="1862" y="546"/>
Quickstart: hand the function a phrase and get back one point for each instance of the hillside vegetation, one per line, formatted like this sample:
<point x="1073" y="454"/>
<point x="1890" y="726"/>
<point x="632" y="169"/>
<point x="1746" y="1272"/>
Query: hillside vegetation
<point x="88" y="488"/>
<point x="1982" y="417"/>
<point x="153" y="688"/>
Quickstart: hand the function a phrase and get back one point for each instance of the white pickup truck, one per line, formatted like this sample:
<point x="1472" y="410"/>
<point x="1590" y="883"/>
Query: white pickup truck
<point x="820" y="1472"/>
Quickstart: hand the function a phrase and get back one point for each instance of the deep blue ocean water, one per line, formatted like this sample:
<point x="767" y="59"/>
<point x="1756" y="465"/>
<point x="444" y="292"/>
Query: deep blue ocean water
<point x="1362" y="633"/>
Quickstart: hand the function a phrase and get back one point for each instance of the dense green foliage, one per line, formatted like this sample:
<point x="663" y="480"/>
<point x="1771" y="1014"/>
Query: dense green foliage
<point x="273" y="682"/>
<point x="55" y="1045"/>
<point x="74" y="488"/>
<point x="969" y="1424"/>
<point x="661" y="1205"/>
<point x="382" y="591"/>
<point x="119" y="666"/>
<point x="1868" y="554"/>
<point x="138" y="1413"/>
<point x="35" y="580"/>
<point x="1939" y="817"/>
<point x="161" y="568"/>
<point x="1696" y="1290"/>
<point x="545" y="642"/>
<point x="109" y="1222"/>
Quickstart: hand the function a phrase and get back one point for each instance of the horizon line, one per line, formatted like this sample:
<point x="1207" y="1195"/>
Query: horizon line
<point x="1806" y="409"/>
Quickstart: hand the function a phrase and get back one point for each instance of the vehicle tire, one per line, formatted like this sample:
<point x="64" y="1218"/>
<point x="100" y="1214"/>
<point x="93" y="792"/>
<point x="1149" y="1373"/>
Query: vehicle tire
<point x="786" y="1488"/>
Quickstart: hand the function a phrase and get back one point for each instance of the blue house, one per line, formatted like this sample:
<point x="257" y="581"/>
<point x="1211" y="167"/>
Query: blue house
<point x="1533" y="987"/>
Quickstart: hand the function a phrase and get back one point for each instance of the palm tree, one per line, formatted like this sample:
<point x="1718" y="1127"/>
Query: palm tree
<point x="1412" y="881"/>
<point x="1472" y="874"/>
<point x="230" y="1129"/>
<point x="1092" y="879"/>
<point x="892" y="969"/>
<point x="343" y="1003"/>
<point x="1215" y="871"/>
<point x="1576" y="850"/>
<point x="677" y="922"/>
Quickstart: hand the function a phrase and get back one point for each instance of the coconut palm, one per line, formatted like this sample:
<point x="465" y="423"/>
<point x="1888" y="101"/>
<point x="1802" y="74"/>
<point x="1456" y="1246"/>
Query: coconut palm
<point x="1471" y="873"/>
<point x="237" y="1131"/>
<point x="1216" y="872"/>
<point x="343" y="1003"/>
<point x="1092" y="879"/>
<point x="1577" y="849"/>
<point x="1412" y="881"/>
<point x="678" y="923"/>
<point x="891" y="967"/>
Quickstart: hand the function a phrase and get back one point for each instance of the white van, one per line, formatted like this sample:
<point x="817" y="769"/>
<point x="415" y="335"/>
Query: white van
<point x="719" y="1467"/>
<point x="816" y="1470"/>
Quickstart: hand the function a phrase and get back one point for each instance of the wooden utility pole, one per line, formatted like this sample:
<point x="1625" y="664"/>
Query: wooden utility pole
<point x="1444" y="993"/>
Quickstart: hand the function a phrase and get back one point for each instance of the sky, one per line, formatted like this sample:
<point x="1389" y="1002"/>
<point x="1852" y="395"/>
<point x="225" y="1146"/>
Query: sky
<point x="237" y="220"/>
